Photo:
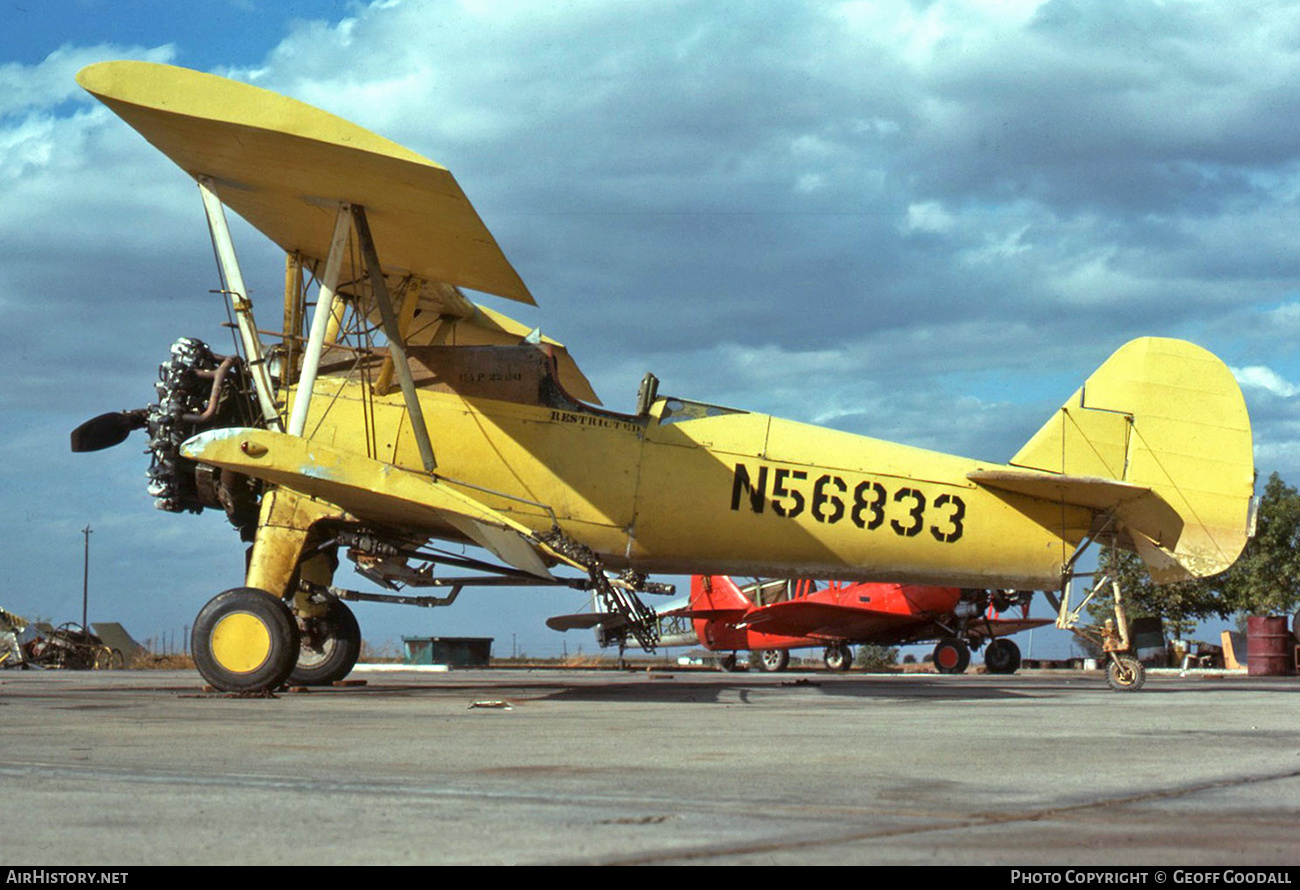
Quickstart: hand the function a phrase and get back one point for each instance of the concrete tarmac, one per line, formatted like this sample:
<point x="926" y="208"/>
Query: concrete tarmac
<point x="603" y="767"/>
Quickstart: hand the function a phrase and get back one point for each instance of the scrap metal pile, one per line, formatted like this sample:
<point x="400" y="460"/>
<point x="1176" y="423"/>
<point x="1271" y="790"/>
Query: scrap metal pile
<point x="69" y="646"/>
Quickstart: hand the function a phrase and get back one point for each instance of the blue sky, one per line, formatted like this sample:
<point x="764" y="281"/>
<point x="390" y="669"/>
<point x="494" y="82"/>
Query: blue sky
<point x="919" y="221"/>
<point x="210" y="33"/>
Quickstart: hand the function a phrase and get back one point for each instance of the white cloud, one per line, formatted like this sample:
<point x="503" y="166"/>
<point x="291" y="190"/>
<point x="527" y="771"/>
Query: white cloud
<point x="1265" y="379"/>
<point x="928" y="216"/>
<point x="52" y="81"/>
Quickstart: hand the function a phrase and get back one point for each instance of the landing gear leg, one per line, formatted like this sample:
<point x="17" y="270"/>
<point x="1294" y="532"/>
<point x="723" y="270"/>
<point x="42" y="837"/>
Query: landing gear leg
<point x="248" y="639"/>
<point x="1124" y="673"/>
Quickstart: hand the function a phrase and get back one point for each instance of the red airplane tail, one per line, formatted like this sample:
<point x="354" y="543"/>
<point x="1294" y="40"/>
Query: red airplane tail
<point x="717" y="593"/>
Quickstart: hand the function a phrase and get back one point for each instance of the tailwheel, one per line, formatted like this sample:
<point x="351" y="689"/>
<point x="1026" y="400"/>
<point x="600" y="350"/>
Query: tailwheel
<point x="727" y="663"/>
<point x="1125" y="673"/>
<point x="1002" y="657"/>
<point x="245" y="640"/>
<point x="330" y="644"/>
<point x="838" y="658"/>
<point x="771" y="660"/>
<point x="951" y="656"/>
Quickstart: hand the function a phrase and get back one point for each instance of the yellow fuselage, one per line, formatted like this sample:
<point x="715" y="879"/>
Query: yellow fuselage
<point x="695" y="488"/>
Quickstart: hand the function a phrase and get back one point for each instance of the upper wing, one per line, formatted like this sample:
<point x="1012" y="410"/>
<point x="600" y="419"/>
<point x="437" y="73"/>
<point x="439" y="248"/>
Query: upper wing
<point x="284" y="166"/>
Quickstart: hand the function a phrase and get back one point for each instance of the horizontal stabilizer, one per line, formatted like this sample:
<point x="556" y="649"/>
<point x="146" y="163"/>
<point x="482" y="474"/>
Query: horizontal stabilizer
<point x="1138" y="506"/>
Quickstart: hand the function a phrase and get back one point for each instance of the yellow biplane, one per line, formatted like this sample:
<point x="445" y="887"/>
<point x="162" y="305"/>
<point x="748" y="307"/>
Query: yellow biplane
<point x="405" y="414"/>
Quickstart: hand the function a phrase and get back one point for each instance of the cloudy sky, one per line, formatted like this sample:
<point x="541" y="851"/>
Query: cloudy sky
<point x="921" y="221"/>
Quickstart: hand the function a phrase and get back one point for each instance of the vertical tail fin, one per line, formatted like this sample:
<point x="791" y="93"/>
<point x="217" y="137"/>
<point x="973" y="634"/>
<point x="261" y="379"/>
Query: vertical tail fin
<point x="717" y="593"/>
<point x="1167" y="416"/>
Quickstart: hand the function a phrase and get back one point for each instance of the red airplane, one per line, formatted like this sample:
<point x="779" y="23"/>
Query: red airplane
<point x="773" y="617"/>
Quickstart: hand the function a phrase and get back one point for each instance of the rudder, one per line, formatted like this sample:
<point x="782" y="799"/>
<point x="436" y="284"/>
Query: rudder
<point x="1169" y="416"/>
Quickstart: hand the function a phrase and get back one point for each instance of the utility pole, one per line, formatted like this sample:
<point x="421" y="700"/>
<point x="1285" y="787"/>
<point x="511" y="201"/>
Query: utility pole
<point x="85" y="578"/>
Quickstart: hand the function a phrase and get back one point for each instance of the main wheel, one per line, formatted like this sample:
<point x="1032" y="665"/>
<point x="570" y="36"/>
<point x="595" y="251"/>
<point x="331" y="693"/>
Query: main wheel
<point x="838" y="657"/>
<point x="1125" y="673"/>
<point x="951" y="656"/>
<point x="772" y="660"/>
<point x="727" y="663"/>
<point x="245" y="640"/>
<point x="1002" y="657"/>
<point x="329" y="647"/>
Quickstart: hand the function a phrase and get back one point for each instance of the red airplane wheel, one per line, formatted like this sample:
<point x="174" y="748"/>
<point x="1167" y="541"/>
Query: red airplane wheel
<point x="951" y="656"/>
<point x="838" y="658"/>
<point x="771" y="660"/>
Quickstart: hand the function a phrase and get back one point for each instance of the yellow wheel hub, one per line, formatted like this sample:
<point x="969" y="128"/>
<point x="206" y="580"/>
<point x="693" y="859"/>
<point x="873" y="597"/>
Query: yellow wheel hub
<point x="241" y="642"/>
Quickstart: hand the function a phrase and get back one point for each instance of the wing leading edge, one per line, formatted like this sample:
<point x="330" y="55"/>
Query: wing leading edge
<point x="284" y="166"/>
<point x="371" y="490"/>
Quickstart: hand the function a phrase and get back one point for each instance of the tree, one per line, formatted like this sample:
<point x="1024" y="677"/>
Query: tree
<point x="1266" y="579"/>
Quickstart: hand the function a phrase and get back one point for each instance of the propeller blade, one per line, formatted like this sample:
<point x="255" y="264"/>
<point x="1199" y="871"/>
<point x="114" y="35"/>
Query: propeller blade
<point x="106" y="430"/>
<point x="586" y="621"/>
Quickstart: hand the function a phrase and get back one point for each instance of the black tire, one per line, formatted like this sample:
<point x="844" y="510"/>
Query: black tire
<point x="727" y="663"/>
<point x="1125" y="673"/>
<point x="329" y="646"/>
<point x="1002" y="657"/>
<point x="951" y="656"/>
<point x="838" y="657"/>
<point x="245" y="640"/>
<point x="771" y="661"/>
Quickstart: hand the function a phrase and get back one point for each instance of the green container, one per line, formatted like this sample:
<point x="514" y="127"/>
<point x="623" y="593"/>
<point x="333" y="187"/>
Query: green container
<point x="467" y="652"/>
